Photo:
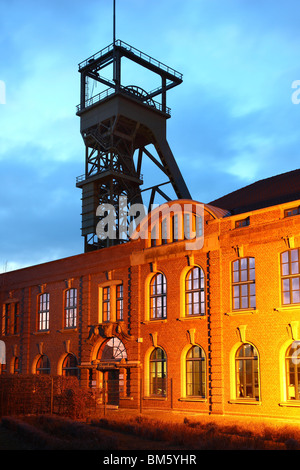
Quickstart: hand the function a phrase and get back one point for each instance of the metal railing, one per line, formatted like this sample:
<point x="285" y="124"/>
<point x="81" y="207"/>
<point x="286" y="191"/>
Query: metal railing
<point x="111" y="91"/>
<point x="134" y="51"/>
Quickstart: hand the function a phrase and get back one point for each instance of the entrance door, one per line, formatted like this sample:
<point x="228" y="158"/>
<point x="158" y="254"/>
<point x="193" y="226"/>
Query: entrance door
<point x="113" y="387"/>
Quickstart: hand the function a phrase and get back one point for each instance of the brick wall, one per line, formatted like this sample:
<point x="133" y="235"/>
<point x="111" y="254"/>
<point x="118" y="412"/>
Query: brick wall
<point x="219" y="332"/>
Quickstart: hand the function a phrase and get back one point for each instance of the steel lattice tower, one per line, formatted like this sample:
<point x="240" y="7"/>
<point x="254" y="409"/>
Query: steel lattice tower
<point x="117" y="125"/>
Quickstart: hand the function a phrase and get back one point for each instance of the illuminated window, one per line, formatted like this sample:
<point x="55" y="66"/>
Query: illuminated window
<point x="71" y="308"/>
<point x="114" y="350"/>
<point x="158" y="296"/>
<point x="158" y="373"/>
<point x="111" y="302"/>
<point x="119" y="302"/>
<point x="292" y="211"/>
<point x="292" y="362"/>
<point x="194" y="292"/>
<point x="43" y="365"/>
<point x="187" y="226"/>
<point x="70" y="366"/>
<point x="290" y="277"/>
<point x="164" y="231"/>
<point x="198" y="220"/>
<point x="195" y="372"/>
<point x="243" y="283"/>
<point x="106" y="304"/>
<point x="242" y="223"/>
<point x="43" y="312"/>
<point x="154" y="235"/>
<point x="10" y="321"/>
<point x="175" y="228"/>
<point x="247" y="381"/>
<point x="193" y="226"/>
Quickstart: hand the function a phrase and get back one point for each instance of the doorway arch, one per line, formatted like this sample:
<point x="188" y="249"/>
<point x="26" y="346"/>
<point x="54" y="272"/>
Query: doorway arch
<point x="110" y="356"/>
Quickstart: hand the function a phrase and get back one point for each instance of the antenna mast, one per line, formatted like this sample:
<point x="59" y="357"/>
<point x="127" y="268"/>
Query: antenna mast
<point x="114" y="22"/>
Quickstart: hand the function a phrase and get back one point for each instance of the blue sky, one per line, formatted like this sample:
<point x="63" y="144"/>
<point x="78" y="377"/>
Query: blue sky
<point x="233" y="121"/>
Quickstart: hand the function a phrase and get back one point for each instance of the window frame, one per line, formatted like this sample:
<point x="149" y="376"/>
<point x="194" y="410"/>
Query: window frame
<point x="296" y="373"/>
<point x="11" y="318"/>
<point x="119" y="302"/>
<point x="43" y="313"/>
<point x="292" y="211"/>
<point x="196" y="363"/>
<point x="70" y="317"/>
<point x="70" y="369"/>
<point x="106" y="304"/>
<point x="45" y="367"/>
<point x="246" y="360"/>
<point x="243" y="284"/>
<point x="193" y="291"/>
<point x="156" y="298"/>
<point x="158" y="365"/>
<point x="290" y="277"/>
<point x="111" y="296"/>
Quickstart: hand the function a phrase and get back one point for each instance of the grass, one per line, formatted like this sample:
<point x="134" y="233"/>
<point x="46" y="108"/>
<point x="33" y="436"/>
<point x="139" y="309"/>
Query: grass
<point x="141" y="432"/>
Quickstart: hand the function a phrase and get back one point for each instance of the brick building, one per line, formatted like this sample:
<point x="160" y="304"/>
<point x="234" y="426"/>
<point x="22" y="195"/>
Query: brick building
<point x="213" y="329"/>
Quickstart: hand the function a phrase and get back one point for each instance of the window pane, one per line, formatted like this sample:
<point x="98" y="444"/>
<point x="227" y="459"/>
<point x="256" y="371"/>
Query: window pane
<point x="296" y="297"/>
<point x="244" y="290"/>
<point x="295" y="268"/>
<point x="286" y="298"/>
<point x="294" y="255"/>
<point x="285" y="257"/>
<point x="244" y="275"/>
<point x="285" y="269"/>
<point x="252" y="274"/>
<point x="244" y="283"/>
<point x="236" y="291"/>
<point x="194" y="297"/>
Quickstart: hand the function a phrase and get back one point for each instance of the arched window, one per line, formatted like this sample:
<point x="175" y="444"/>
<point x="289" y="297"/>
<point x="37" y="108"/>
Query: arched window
<point x="247" y="380"/>
<point x="290" y="276"/>
<point x="158" y="373"/>
<point x="71" y="308"/>
<point x="195" y="373"/>
<point x="114" y="350"/>
<point x="243" y="283"/>
<point x="43" y="365"/>
<point x="70" y="366"/>
<point x="158" y="296"/>
<point x="194" y="292"/>
<point x="16" y="365"/>
<point x="292" y="363"/>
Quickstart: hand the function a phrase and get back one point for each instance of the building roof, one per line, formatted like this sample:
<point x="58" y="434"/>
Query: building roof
<point x="264" y="193"/>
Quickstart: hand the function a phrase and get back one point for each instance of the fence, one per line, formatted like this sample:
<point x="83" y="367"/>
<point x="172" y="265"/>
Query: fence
<point x="45" y="394"/>
<point x="42" y="394"/>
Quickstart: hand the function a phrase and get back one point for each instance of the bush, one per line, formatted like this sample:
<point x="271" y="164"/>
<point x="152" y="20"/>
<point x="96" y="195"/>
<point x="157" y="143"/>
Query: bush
<point x="37" y="394"/>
